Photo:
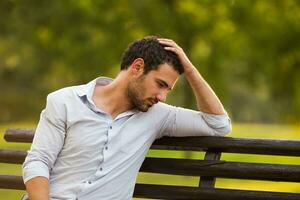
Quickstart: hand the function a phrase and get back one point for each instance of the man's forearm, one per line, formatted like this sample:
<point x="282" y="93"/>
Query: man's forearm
<point x="207" y="100"/>
<point x="38" y="188"/>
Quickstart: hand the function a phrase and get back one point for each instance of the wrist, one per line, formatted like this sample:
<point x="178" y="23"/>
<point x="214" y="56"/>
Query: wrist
<point x="190" y="70"/>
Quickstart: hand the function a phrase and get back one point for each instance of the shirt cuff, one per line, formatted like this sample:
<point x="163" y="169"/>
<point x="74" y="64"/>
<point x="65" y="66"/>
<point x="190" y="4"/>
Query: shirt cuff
<point x="34" y="169"/>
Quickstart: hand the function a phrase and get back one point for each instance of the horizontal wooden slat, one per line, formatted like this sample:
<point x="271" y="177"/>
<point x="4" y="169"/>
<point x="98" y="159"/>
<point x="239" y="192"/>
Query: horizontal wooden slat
<point x="11" y="182"/>
<point x="237" y="170"/>
<point x="176" y="192"/>
<point x="187" y="167"/>
<point x="221" y="144"/>
<point x="231" y="145"/>
<point x="194" y="193"/>
<point x="12" y="156"/>
<point x="19" y="135"/>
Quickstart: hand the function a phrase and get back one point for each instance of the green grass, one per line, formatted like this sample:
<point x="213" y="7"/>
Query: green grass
<point x="239" y="130"/>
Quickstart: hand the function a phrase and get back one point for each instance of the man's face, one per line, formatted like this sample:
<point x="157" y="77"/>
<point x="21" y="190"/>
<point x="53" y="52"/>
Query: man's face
<point x="146" y="90"/>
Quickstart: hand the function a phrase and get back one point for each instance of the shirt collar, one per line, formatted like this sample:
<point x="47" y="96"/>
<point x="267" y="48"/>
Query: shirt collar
<point x="87" y="91"/>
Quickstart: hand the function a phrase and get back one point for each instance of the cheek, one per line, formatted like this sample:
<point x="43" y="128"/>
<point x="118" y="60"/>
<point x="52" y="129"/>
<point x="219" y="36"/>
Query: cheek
<point x="149" y="88"/>
<point x="153" y="89"/>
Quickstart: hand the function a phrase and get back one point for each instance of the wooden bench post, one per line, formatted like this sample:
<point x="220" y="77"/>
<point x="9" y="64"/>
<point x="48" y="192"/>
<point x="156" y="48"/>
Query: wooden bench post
<point x="209" y="181"/>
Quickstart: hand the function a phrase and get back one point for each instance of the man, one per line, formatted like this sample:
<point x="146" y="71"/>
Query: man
<point x="92" y="139"/>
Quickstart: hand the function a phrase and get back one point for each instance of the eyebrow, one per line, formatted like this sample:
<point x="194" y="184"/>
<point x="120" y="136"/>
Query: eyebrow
<point x="164" y="83"/>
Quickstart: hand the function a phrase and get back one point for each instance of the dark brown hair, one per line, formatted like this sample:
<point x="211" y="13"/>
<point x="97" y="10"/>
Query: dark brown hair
<point x="153" y="54"/>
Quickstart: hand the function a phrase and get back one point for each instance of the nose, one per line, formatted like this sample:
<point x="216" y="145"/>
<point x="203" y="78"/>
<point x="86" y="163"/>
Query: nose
<point x="162" y="96"/>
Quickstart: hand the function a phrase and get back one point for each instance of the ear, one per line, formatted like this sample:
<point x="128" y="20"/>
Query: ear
<point x="137" y="66"/>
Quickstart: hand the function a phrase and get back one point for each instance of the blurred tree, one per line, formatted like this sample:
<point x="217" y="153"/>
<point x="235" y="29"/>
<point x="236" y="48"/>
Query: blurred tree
<point x="247" y="50"/>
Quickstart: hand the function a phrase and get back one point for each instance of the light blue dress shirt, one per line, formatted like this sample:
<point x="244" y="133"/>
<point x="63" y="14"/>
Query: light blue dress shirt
<point x="88" y="155"/>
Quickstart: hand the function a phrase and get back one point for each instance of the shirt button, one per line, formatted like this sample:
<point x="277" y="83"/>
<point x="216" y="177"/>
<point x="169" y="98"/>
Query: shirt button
<point x="110" y="127"/>
<point x="101" y="169"/>
<point x="106" y="148"/>
<point x="89" y="182"/>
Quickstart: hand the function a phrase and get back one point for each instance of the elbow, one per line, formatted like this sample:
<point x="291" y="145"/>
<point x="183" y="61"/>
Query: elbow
<point x="224" y="130"/>
<point x="219" y="125"/>
<point x="227" y="130"/>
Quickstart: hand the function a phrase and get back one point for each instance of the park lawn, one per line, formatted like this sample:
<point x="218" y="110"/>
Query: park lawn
<point x="239" y="130"/>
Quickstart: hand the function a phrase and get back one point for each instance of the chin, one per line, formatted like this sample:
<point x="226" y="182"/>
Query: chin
<point x="144" y="108"/>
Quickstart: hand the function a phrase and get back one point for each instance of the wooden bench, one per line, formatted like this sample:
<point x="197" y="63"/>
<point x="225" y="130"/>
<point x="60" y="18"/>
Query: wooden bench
<point x="208" y="169"/>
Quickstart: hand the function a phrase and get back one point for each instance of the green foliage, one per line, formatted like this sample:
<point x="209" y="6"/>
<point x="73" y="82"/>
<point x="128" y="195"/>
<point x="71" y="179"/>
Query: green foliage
<point x="247" y="50"/>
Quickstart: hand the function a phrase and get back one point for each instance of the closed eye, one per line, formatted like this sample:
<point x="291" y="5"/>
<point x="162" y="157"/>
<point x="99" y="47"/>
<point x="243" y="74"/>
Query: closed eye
<point x="162" y="84"/>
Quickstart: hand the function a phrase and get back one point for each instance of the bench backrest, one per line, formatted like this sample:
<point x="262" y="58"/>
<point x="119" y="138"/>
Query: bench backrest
<point x="208" y="169"/>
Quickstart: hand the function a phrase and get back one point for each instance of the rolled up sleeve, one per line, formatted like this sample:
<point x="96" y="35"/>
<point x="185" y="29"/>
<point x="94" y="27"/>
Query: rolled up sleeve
<point x="181" y="122"/>
<point x="48" y="140"/>
<point x="220" y="125"/>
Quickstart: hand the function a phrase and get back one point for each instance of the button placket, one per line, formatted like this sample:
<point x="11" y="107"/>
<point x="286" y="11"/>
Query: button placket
<point x="99" y="172"/>
<point x="106" y="143"/>
<point x="100" y="169"/>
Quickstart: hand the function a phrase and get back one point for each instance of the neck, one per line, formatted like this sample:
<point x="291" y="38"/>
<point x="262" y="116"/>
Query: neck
<point x="112" y="98"/>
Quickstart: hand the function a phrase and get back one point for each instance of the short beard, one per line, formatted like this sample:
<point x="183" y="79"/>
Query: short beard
<point x="134" y="91"/>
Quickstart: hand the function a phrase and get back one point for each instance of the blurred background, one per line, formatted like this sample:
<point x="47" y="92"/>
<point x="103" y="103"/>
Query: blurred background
<point x="247" y="50"/>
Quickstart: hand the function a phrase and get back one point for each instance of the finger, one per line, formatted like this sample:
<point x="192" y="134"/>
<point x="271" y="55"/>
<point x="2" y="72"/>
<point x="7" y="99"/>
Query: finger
<point x="173" y="49"/>
<point x="168" y="43"/>
<point x="164" y="39"/>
